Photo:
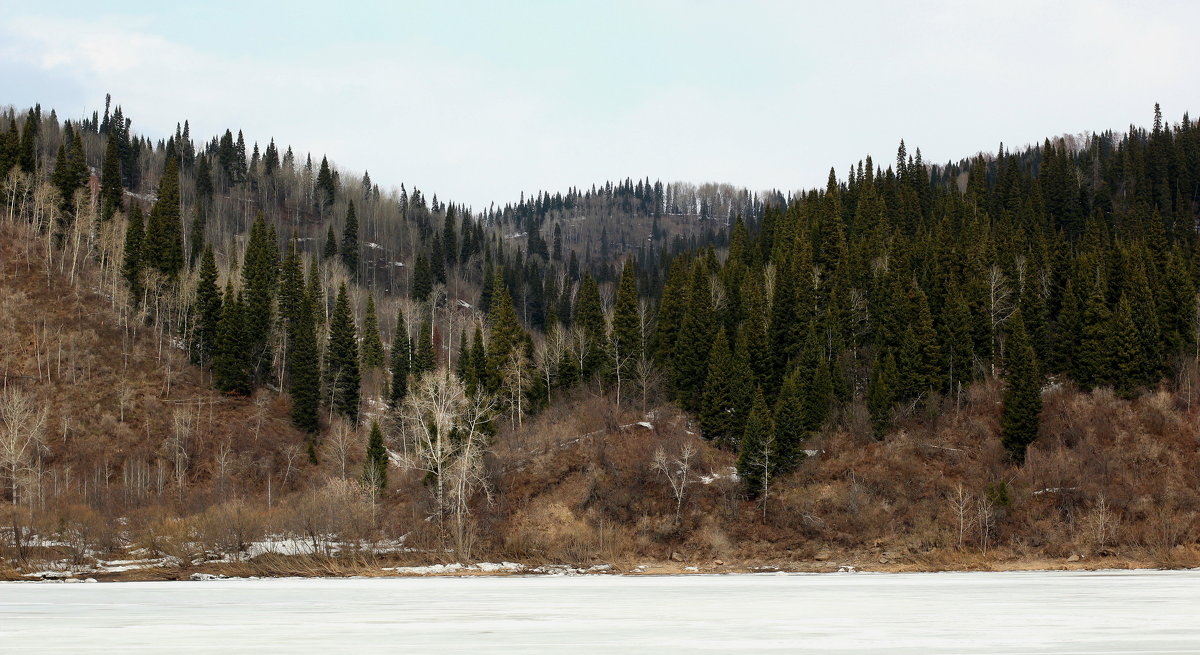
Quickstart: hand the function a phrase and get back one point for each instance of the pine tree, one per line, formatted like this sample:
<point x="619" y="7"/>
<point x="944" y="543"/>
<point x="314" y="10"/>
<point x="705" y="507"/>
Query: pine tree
<point x="208" y="310"/>
<point x="231" y="372"/>
<point x="342" y="354"/>
<point x="1090" y="356"/>
<point x="424" y="359"/>
<point x="881" y="393"/>
<point x="422" y="279"/>
<point x="260" y="271"/>
<point x="626" y="331"/>
<point x="401" y="353"/>
<point x="589" y="317"/>
<point x="131" y="267"/>
<point x="690" y="364"/>
<point x="303" y="361"/>
<point x="1126" y="366"/>
<point x="331" y="249"/>
<point x="376" y="465"/>
<point x="759" y="456"/>
<point x="112" y="193"/>
<point x="163" y="246"/>
<point x="372" y="344"/>
<point x="1022" y="391"/>
<point x="791" y="423"/>
<point x="718" y="411"/>
<point x="349" y="246"/>
<point x="507" y="335"/>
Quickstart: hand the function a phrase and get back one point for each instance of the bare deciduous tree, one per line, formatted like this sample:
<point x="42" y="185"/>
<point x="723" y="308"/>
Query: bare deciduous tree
<point x="22" y="436"/>
<point x="677" y="471"/>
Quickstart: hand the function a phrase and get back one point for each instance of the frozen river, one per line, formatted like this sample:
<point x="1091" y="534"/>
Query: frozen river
<point x="1098" y="612"/>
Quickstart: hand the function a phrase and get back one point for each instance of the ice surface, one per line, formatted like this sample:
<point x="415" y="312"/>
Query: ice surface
<point x="1041" y="612"/>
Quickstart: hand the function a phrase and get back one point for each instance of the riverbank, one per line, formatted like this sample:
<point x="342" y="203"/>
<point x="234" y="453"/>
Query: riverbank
<point x="275" y="565"/>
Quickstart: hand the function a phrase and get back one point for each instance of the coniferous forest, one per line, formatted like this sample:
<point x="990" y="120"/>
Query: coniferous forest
<point x="213" y="347"/>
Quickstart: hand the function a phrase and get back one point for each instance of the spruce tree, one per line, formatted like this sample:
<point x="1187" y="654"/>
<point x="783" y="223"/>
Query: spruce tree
<point x="349" y="246"/>
<point x="376" y="465"/>
<point x="208" y="310"/>
<point x="303" y="362"/>
<point x="791" y="422"/>
<point x="231" y="372"/>
<point x="372" y="343"/>
<point x="626" y="331"/>
<point x="112" y="193"/>
<point x="690" y="365"/>
<point x="1090" y="356"/>
<point x="331" y="249"/>
<point x="401" y="354"/>
<point x="589" y="317"/>
<point x="717" y="411"/>
<point x="671" y="310"/>
<point x="260" y="271"/>
<point x="163" y="246"/>
<point x="920" y="356"/>
<point x="424" y="359"/>
<point x="342" y="356"/>
<point x="1022" y="391"/>
<point x="421" y="284"/>
<point x="1126" y="365"/>
<point x="131" y="267"/>
<point x="881" y="393"/>
<point x="759" y="457"/>
<point x="507" y="335"/>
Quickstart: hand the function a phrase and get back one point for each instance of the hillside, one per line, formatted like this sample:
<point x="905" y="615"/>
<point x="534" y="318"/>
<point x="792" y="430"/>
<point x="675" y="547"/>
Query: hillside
<point x="239" y="362"/>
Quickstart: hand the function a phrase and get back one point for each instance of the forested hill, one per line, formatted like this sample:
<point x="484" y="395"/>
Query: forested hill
<point x="433" y="352"/>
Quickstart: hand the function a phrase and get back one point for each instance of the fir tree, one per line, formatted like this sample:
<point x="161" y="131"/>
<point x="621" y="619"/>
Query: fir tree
<point x="694" y="341"/>
<point x="260" y="271"/>
<point x="1090" y="355"/>
<point x="759" y="456"/>
<point x="303" y="361"/>
<point x="424" y="359"/>
<point x="231" y="372"/>
<point x="626" y="332"/>
<point x="422" y="279"/>
<point x="331" y="249"/>
<point x="372" y="344"/>
<point x="719" y="412"/>
<point x="376" y="465"/>
<point x="349" y="246"/>
<point x="401" y="354"/>
<point x="342" y="355"/>
<point x="791" y="424"/>
<point x="1126" y="366"/>
<point x="208" y="310"/>
<point x="881" y="393"/>
<point x="589" y="317"/>
<point x="163" y="246"/>
<point x="1022" y="391"/>
<point x="131" y="267"/>
<point x="112" y="193"/>
<point x="507" y="335"/>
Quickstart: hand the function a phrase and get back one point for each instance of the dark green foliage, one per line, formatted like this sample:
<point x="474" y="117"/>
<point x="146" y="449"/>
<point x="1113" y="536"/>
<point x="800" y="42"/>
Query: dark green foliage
<point x="349" y="246"/>
<point x="696" y="333"/>
<point x="401" y="361"/>
<point x="326" y="187"/>
<point x="920" y="356"/>
<point x="759" y="458"/>
<point x="421" y="284"/>
<point x="626" y="332"/>
<point x="424" y="358"/>
<point x="372" y="343"/>
<point x="1090" y="353"/>
<point x="341" y="368"/>
<point x="163" y="245"/>
<point x="298" y="309"/>
<point x="112" y="192"/>
<point x="1022" y="391"/>
<point x="881" y="393"/>
<point x="231" y="370"/>
<point x="331" y="248"/>
<point x="725" y="403"/>
<point x="1127" y="367"/>
<point x="672" y="308"/>
<point x="507" y="335"/>
<point x="208" y="310"/>
<point x="791" y="422"/>
<point x="260" y="271"/>
<point x="589" y="317"/>
<point x="131" y="267"/>
<point x="376" y="465"/>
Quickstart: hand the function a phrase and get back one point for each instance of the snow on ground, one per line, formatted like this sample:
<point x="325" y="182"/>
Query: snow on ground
<point x="1008" y="613"/>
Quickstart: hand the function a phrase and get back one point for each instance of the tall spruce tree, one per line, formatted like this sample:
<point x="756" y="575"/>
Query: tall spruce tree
<point x="163" y="246"/>
<point x="372" y="343"/>
<point x="881" y="392"/>
<point x="626" y="330"/>
<point x="208" y="310"/>
<point x="260" y="272"/>
<point x="375" y="468"/>
<point x="342" y="358"/>
<point x="1022" y="391"/>
<point x="131" y="267"/>
<point x="349" y="246"/>
<point x="303" y="361"/>
<point x="759" y="457"/>
<point x="401" y="361"/>
<point x="231" y="370"/>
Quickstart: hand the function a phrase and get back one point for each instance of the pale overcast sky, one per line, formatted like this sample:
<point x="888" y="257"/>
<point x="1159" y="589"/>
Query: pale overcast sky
<point x="478" y="101"/>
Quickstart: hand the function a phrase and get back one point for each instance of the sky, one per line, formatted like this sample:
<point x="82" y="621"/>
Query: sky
<point x="480" y="101"/>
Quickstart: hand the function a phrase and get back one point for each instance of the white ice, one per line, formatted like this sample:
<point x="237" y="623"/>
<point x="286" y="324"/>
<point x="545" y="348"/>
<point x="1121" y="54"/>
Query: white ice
<point x="1041" y="612"/>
